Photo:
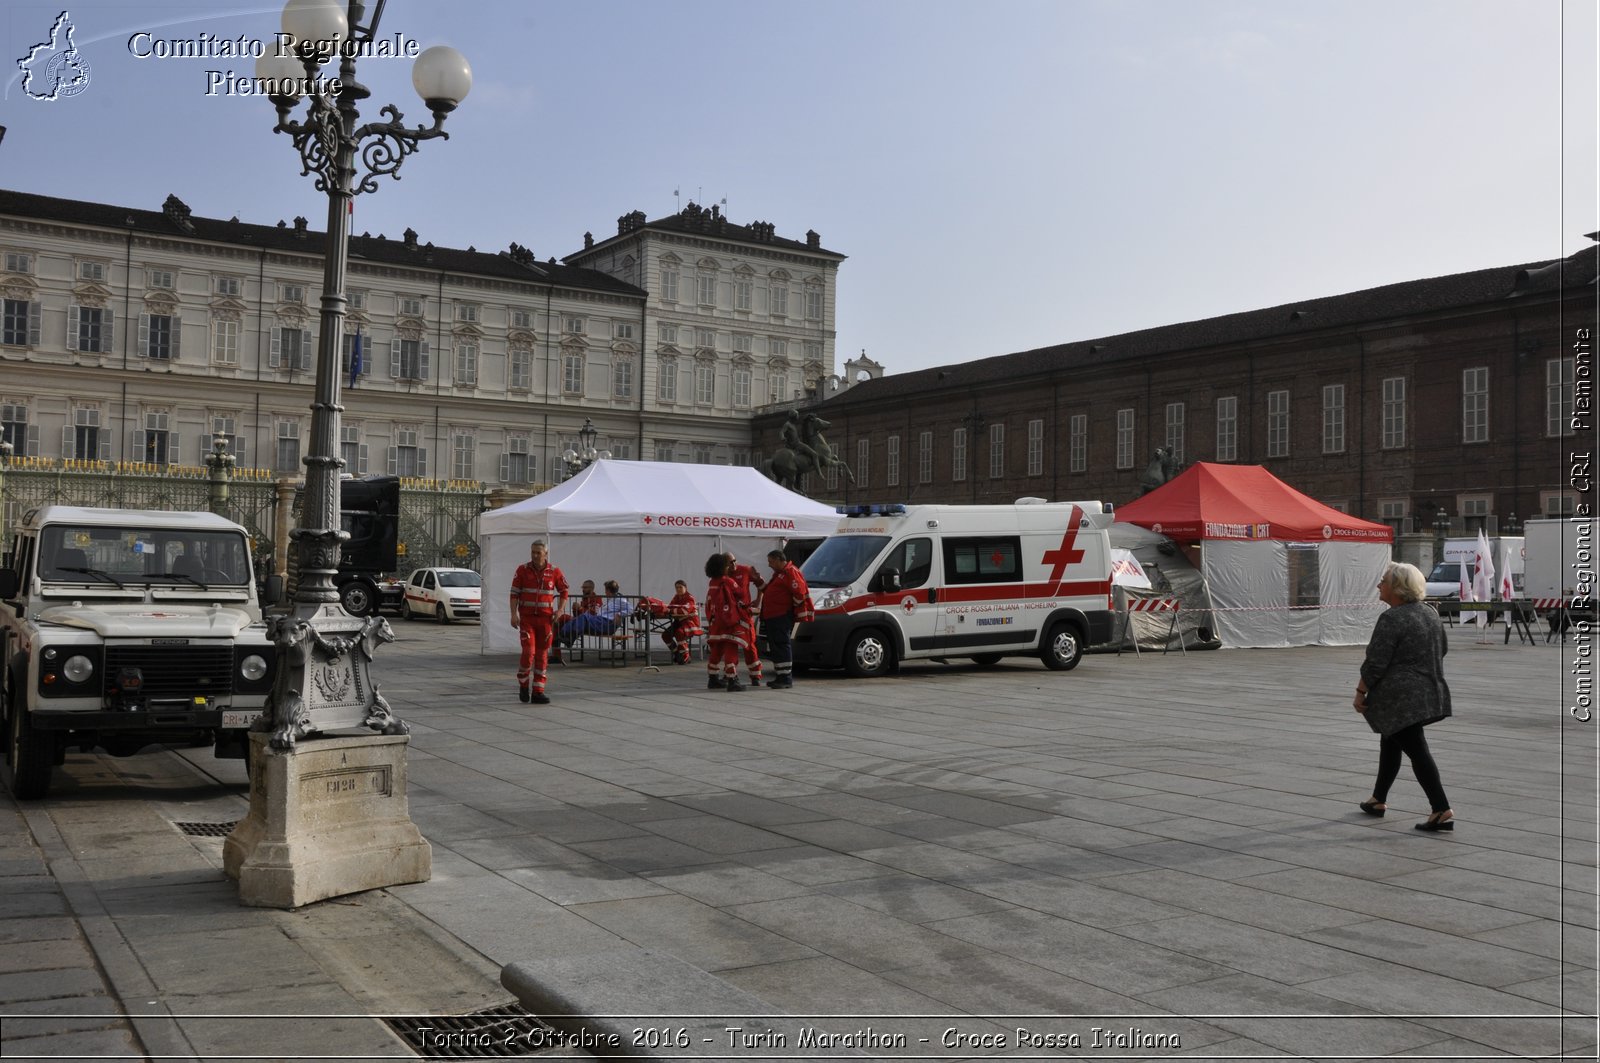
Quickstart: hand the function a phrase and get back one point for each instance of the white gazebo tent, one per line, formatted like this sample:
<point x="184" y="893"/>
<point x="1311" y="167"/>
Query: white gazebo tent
<point x="643" y="524"/>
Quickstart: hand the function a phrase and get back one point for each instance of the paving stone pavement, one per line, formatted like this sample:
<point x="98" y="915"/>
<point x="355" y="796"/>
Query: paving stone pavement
<point x="1163" y="844"/>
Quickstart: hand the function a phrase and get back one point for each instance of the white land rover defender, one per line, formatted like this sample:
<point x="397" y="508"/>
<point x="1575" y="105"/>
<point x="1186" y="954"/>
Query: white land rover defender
<point x="123" y="628"/>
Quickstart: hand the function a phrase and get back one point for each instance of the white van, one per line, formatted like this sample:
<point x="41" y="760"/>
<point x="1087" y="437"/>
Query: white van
<point x="898" y="582"/>
<point x="1506" y="551"/>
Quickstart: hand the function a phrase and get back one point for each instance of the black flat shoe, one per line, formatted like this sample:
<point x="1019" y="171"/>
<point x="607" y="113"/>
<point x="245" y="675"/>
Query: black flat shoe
<point x="1434" y="823"/>
<point x="1373" y="808"/>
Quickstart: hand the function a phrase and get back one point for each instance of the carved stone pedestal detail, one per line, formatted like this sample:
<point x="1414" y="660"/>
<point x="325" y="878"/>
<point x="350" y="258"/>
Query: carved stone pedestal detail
<point x="327" y="818"/>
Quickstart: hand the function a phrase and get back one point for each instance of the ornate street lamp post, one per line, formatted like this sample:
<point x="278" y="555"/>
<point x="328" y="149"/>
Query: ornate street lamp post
<point x="323" y="653"/>
<point x="330" y="817"/>
<point x="1441" y="530"/>
<point x="585" y="455"/>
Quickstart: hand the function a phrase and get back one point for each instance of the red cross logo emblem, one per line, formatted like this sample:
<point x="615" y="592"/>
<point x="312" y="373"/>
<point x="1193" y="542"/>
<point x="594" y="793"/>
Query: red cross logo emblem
<point x="909" y="604"/>
<point x="1066" y="554"/>
<point x="647" y="520"/>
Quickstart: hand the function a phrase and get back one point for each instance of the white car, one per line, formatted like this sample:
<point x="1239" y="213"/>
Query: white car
<point x="445" y="594"/>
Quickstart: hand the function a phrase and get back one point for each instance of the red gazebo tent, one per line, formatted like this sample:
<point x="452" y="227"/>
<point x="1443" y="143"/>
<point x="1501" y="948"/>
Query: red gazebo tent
<point x="1281" y="568"/>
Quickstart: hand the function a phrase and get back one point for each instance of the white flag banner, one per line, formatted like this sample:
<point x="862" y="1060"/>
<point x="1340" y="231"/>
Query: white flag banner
<point x="1465" y="593"/>
<point x="1483" y="582"/>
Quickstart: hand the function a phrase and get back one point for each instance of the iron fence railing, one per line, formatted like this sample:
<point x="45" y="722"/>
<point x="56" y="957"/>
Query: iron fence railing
<point x="438" y="518"/>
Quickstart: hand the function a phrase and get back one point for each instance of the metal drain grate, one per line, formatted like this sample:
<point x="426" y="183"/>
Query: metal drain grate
<point x="207" y="830"/>
<point x="506" y="1032"/>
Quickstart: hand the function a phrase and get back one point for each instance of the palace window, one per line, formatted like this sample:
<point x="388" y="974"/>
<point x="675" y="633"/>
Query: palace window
<point x="19" y="325"/>
<point x="1228" y="428"/>
<point x="1333" y="419"/>
<point x="1277" y="424"/>
<point x="667" y="380"/>
<point x="408" y="359"/>
<point x="1558" y="397"/>
<point x="1175" y="430"/>
<point x="158" y="336"/>
<point x="466" y="365"/>
<point x="287" y="459"/>
<point x="1394" y="412"/>
<point x="291" y="348"/>
<point x="89" y="329"/>
<point x="1475" y="405"/>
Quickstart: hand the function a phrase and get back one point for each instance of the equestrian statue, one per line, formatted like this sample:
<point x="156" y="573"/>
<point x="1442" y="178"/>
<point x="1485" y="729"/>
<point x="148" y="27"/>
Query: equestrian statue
<point x="805" y="450"/>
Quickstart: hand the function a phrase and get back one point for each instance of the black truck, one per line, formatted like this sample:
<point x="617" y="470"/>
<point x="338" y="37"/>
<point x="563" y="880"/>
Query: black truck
<point x="369" y="512"/>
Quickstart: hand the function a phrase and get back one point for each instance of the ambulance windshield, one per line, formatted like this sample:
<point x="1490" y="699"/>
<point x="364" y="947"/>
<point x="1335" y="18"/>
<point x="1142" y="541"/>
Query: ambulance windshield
<point x="841" y="559"/>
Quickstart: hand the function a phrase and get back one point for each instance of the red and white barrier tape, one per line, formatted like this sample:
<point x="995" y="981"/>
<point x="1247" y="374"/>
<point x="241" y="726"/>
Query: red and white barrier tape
<point x="1154" y="605"/>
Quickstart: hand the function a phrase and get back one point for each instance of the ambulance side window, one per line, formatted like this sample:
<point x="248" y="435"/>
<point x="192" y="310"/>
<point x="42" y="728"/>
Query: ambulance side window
<point x="988" y="559"/>
<point x="914" y="561"/>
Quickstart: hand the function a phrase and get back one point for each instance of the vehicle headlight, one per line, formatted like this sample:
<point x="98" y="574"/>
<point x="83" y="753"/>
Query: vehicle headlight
<point x="835" y="598"/>
<point x="78" y="668"/>
<point x="253" y="667"/>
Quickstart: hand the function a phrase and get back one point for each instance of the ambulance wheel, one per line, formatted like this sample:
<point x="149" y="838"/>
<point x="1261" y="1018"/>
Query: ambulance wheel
<point x="867" y="655"/>
<point x="986" y="660"/>
<point x="1062" y="648"/>
<point x="440" y="615"/>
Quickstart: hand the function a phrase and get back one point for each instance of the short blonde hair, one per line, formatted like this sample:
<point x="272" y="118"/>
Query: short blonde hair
<point x="1406" y="582"/>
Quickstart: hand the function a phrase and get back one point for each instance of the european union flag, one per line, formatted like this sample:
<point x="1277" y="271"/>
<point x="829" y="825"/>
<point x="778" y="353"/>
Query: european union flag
<point x="355" y="359"/>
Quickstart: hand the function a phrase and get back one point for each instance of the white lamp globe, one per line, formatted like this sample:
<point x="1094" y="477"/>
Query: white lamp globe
<point x="286" y="70"/>
<point x="442" y="77"/>
<point x="316" y="22"/>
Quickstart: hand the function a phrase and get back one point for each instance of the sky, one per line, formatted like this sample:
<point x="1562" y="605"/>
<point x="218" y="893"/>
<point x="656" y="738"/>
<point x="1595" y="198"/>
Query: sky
<point x="1001" y="175"/>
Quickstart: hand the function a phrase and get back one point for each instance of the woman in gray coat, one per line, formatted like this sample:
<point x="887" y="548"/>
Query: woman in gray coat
<point x="1402" y="690"/>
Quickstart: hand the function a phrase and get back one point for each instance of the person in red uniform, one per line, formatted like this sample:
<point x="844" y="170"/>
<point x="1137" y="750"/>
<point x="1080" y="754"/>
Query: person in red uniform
<point x="784" y="600"/>
<point x="538" y="596"/>
<point x="728" y="606"/>
<point x="743" y="576"/>
<point x="685" y="612"/>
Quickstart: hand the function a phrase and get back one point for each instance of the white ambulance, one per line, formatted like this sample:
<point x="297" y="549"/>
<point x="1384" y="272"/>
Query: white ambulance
<point x="898" y="582"/>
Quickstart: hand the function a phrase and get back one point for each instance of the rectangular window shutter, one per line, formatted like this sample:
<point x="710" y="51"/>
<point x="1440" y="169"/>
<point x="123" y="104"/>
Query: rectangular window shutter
<point x="361" y="459"/>
<point x="67" y="440"/>
<point x="32" y="449"/>
<point x="144" y="335"/>
<point x="173" y="337"/>
<point x="35" y="313"/>
<point x="239" y="451"/>
<point x="136" y="445"/>
<point x="305" y="349"/>
<point x="422" y="461"/>
<point x="394" y="369"/>
<point x="275" y="349"/>
<point x="393" y="454"/>
<point x="106" y="343"/>
<point x="505" y="468"/>
<point x="174" y="449"/>
<point x="72" y="328"/>
<point x="105" y="446"/>
<point x="423" y="362"/>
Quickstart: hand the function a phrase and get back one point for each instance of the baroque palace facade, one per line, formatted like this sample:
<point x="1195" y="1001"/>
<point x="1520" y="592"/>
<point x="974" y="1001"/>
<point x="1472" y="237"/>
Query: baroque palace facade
<point x="1465" y="399"/>
<point x="133" y="335"/>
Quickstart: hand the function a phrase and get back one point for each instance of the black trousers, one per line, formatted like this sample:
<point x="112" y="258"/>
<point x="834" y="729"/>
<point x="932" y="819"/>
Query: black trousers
<point x="1414" y="744"/>
<point x="777" y="633"/>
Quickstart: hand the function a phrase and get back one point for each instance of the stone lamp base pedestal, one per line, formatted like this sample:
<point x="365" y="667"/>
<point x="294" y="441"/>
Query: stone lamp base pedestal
<point x="326" y="819"/>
